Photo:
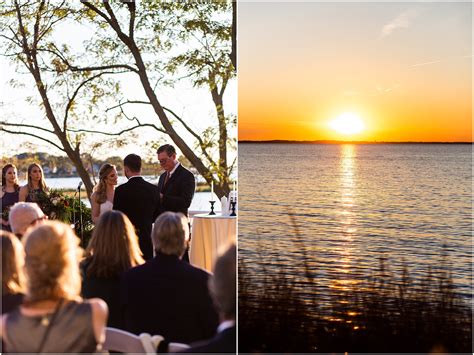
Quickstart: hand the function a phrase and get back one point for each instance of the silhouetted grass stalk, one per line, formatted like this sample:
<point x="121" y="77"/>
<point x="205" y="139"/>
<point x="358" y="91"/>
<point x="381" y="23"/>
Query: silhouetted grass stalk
<point x="378" y="314"/>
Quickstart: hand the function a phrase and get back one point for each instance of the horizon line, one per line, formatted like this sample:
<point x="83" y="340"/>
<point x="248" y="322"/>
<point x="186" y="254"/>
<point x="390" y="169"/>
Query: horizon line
<point x="284" y="141"/>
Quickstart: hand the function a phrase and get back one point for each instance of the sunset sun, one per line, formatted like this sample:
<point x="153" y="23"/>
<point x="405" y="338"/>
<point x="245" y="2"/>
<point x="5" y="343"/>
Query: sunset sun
<point x="347" y="123"/>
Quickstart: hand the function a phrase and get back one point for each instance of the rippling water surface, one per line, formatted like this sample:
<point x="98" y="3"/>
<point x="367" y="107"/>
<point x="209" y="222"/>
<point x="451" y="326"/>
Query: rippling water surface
<point x="354" y="204"/>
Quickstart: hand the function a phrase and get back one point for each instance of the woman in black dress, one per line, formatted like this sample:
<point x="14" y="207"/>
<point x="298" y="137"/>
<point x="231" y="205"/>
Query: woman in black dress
<point x="9" y="192"/>
<point x="35" y="185"/>
<point x="112" y="250"/>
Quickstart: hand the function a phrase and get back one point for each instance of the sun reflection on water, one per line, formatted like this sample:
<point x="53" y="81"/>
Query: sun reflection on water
<point x="346" y="219"/>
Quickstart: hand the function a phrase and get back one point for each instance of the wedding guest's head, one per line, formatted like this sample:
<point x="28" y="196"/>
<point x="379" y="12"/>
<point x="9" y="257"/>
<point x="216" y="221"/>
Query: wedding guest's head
<point x="107" y="177"/>
<point x="132" y="165"/>
<point x="24" y="215"/>
<point x="52" y="262"/>
<point x="222" y="284"/>
<point x="113" y="247"/>
<point x="13" y="258"/>
<point x="167" y="157"/>
<point x="9" y="176"/>
<point x="36" y="177"/>
<point x="170" y="234"/>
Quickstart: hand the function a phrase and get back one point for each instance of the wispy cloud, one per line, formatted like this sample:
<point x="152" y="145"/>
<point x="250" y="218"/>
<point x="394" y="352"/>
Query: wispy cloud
<point x="425" y="63"/>
<point x="422" y="64"/>
<point x="404" y="20"/>
<point x="377" y="91"/>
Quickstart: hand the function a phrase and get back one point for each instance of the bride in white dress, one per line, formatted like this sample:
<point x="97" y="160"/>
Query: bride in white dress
<point x="102" y="198"/>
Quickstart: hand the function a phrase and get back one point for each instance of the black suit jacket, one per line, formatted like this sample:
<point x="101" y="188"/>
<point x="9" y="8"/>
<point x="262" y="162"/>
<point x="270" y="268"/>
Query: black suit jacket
<point x="140" y="201"/>
<point x="169" y="297"/>
<point x="178" y="191"/>
<point x="223" y="342"/>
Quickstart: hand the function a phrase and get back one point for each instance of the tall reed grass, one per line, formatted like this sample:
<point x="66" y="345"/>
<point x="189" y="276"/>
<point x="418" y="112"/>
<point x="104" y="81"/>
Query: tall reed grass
<point x="385" y="312"/>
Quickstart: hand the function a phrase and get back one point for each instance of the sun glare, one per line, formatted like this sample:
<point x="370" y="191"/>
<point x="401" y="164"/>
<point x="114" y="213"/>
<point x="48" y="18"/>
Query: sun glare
<point x="347" y="123"/>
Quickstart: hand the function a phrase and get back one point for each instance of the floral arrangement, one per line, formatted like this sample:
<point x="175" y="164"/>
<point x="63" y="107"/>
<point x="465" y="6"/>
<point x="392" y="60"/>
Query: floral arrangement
<point x="55" y="205"/>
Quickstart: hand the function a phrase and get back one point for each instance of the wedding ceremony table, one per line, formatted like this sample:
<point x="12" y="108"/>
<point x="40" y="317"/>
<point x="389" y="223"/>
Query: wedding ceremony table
<point x="208" y="234"/>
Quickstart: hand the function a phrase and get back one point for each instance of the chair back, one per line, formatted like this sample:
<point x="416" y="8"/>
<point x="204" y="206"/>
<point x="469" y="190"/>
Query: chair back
<point x="126" y="342"/>
<point x="177" y="347"/>
<point x="120" y="340"/>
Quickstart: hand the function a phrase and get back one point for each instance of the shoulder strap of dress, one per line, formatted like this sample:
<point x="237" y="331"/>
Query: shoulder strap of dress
<point x="48" y="329"/>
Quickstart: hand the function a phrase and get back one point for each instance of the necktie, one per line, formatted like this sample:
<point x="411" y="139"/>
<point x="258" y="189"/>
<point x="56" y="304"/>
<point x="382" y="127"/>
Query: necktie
<point x="167" y="177"/>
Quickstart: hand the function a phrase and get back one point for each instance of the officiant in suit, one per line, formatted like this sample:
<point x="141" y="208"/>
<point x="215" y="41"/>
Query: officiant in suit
<point x="176" y="184"/>
<point x="140" y="201"/>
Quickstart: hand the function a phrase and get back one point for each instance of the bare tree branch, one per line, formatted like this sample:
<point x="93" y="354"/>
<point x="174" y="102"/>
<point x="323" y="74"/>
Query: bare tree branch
<point x="127" y="102"/>
<point x="132" y="8"/>
<point x="202" y="145"/>
<point x="26" y="126"/>
<point x="96" y="10"/>
<point x="36" y="25"/>
<point x="32" y="135"/>
<point x="120" y="132"/>
<point x="111" y="13"/>
<point x="232" y="166"/>
<point x="75" y="68"/>
<point x="71" y="100"/>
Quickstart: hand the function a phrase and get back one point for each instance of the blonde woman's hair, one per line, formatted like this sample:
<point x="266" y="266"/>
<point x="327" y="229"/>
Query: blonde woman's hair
<point x="113" y="247"/>
<point x="52" y="262"/>
<point x="13" y="258"/>
<point x="101" y="188"/>
<point x="42" y="183"/>
<point x="170" y="233"/>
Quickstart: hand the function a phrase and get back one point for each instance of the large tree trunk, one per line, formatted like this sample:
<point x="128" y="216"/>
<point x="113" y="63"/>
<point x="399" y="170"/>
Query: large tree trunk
<point x="233" y="54"/>
<point x="188" y="152"/>
<point x="33" y="67"/>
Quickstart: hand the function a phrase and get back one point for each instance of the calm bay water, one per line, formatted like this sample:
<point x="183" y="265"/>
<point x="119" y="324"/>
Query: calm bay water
<point x="355" y="204"/>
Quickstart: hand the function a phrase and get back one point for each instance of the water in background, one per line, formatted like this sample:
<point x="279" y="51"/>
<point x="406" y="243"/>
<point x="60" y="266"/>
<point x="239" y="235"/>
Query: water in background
<point x="200" y="201"/>
<point x="355" y="204"/>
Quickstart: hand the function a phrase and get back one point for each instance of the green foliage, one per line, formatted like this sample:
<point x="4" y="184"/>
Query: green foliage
<point x="55" y="205"/>
<point x="58" y="206"/>
<point x="177" y="41"/>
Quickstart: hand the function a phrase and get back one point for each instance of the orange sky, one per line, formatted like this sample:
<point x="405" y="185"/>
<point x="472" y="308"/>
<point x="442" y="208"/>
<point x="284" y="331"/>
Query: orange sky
<point x="404" y="69"/>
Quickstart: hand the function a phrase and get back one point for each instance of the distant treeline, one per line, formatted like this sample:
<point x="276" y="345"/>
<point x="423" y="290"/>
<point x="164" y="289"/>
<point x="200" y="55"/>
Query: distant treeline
<point x="61" y="166"/>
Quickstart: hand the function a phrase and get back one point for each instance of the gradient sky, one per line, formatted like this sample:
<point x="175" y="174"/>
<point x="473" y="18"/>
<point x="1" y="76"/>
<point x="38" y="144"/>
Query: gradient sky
<point x="403" y="68"/>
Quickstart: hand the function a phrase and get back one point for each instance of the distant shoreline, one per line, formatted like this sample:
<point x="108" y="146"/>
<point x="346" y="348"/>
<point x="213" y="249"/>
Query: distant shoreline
<point x="277" y="141"/>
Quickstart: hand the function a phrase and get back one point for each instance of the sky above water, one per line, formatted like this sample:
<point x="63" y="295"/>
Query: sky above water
<point x="403" y="70"/>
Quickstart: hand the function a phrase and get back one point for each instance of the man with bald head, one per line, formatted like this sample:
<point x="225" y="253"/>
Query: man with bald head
<point x="24" y="215"/>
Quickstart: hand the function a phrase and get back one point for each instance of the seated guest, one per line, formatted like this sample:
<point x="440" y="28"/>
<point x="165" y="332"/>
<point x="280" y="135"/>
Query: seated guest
<point x="24" y="215"/>
<point x="112" y="250"/>
<point x="223" y="291"/>
<point x="53" y="318"/>
<point x="167" y="296"/>
<point x="12" y="272"/>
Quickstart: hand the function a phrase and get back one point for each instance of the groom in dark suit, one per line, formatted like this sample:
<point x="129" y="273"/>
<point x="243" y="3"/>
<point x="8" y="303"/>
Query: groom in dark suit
<point x="140" y="201"/>
<point x="176" y="185"/>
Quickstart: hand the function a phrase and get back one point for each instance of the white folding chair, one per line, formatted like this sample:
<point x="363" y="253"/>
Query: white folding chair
<point x="155" y="341"/>
<point x="120" y="340"/>
<point x="177" y="347"/>
<point x="125" y="342"/>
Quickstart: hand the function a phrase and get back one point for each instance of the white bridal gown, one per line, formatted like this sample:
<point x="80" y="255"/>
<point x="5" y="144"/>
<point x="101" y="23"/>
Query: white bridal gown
<point x="106" y="206"/>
